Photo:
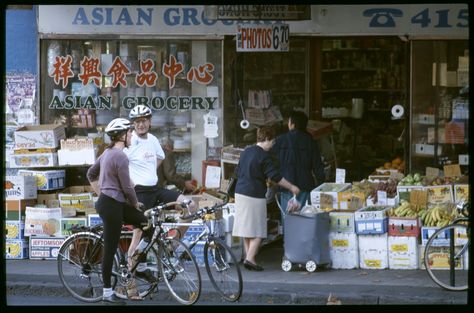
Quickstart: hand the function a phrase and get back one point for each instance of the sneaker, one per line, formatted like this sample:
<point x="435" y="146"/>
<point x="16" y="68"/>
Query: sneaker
<point x="113" y="299"/>
<point x="146" y="275"/>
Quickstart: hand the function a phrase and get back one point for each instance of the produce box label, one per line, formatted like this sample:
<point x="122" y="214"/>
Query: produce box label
<point x="67" y="224"/>
<point x="16" y="249"/>
<point x="440" y="194"/>
<point x="461" y="192"/>
<point x="43" y="221"/>
<point x="45" y="248"/>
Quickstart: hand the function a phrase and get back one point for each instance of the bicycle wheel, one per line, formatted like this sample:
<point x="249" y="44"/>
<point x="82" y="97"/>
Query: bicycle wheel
<point x="79" y="266"/>
<point x="223" y="269"/>
<point x="180" y="271"/>
<point x="443" y="257"/>
<point x="144" y="286"/>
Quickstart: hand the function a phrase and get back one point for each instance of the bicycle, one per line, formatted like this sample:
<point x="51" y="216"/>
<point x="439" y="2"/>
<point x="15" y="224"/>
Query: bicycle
<point x="445" y="251"/>
<point x="79" y="263"/>
<point x="220" y="262"/>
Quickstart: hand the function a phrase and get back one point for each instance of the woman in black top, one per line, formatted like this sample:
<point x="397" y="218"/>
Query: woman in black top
<point x="255" y="167"/>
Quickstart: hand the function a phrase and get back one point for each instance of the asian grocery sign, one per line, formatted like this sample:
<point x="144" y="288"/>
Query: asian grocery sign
<point x="374" y="19"/>
<point x="146" y="77"/>
<point x="263" y="38"/>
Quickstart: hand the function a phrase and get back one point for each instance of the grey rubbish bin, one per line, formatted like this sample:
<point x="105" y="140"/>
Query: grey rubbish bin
<point x="306" y="241"/>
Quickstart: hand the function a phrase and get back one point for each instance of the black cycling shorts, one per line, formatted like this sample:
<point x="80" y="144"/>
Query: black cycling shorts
<point x="153" y="195"/>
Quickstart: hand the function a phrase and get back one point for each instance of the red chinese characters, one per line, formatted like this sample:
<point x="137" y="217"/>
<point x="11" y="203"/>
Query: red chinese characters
<point x="90" y="70"/>
<point x="62" y="70"/>
<point x="146" y="76"/>
<point x="118" y="70"/>
<point x="172" y="70"/>
<point x="201" y="73"/>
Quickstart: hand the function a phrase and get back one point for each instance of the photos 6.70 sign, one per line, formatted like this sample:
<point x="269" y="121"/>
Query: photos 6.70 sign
<point x="265" y="38"/>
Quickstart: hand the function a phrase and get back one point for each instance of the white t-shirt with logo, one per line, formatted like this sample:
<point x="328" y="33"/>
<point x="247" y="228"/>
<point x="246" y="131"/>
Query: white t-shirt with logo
<point x="142" y="155"/>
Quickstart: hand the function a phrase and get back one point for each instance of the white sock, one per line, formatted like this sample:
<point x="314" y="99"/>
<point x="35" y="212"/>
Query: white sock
<point x="141" y="267"/>
<point x="107" y="292"/>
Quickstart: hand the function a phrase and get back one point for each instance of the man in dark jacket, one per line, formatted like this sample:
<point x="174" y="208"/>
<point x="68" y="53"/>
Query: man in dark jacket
<point x="299" y="159"/>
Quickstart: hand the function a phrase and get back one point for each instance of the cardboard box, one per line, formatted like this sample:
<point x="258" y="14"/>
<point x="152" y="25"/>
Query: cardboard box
<point x="440" y="194"/>
<point x="45" y="248"/>
<point x="343" y="250"/>
<point x="341" y="221"/>
<point x="39" y="136"/>
<point x="82" y="157"/>
<point x="376" y="226"/>
<point x="402" y="253"/>
<point x="47" y="180"/>
<point x="442" y="240"/>
<point x="16" y="249"/>
<point x="331" y="189"/>
<point x="373" y="251"/>
<point x="345" y="198"/>
<point x="20" y="187"/>
<point x="68" y="223"/>
<point x="33" y="160"/>
<point x="404" y="226"/>
<point x="439" y="257"/>
<point x="43" y="221"/>
<point x="375" y="212"/>
<point x="77" y="197"/>
<point x="14" y="230"/>
<point x="50" y="200"/>
<point x="15" y="209"/>
<point x="461" y="192"/>
<point x="403" y="192"/>
<point x="93" y="219"/>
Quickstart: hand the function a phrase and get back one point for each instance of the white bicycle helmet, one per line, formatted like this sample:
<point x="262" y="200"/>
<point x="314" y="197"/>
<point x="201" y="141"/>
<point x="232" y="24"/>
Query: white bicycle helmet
<point x="139" y="111"/>
<point x="117" y="126"/>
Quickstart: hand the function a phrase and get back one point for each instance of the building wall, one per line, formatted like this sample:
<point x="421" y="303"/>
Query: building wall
<point x="21" y="38"/>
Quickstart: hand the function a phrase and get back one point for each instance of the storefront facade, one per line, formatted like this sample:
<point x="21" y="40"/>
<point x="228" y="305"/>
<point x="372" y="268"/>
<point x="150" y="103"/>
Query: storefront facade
<point x="348" y="65"/>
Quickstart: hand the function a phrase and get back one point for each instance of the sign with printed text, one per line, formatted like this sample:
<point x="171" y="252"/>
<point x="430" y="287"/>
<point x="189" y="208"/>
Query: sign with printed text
<point x="263" y="38"/>
<point x="381" y="197"/>
<point x="453" y="170"/>
<point x="419" y="198"/>
<point x="432" y="172"/>
<point x="378" y="19"/>
<point x="440" y="194"/>
<point x="340" y="176"/>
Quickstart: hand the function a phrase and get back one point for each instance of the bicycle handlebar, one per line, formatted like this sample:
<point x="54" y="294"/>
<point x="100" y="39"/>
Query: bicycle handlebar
<point x="208" y="210"/>
<point x="155" y="211"/>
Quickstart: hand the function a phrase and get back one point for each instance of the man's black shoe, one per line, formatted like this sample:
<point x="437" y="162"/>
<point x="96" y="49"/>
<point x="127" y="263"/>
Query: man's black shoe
<point x="113" y="299"/>
<point x="146" y="275"/>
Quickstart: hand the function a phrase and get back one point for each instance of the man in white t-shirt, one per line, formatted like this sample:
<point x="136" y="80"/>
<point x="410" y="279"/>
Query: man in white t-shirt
<point x="145" y="155"/>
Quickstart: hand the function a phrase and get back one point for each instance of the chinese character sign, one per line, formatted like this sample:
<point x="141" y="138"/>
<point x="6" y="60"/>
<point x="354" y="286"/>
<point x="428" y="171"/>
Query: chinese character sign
<point x="147" y="76"/>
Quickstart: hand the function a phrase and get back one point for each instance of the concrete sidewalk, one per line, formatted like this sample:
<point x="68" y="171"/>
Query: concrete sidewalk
<point x="274" y="286"/>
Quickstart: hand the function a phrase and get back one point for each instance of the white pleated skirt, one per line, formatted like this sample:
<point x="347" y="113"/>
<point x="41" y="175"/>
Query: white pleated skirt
<point x="250" y="219"/>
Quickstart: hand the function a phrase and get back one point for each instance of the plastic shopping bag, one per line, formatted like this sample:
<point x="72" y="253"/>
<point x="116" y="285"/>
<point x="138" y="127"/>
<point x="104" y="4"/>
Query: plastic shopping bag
<point x="293" y="205"/>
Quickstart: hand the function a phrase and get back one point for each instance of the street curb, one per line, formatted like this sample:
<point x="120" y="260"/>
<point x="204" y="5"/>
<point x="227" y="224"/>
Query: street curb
<point x="258" y="297"/>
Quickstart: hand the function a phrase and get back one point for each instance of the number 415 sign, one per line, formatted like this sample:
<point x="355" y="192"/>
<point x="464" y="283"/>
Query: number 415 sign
<point x="265" y="38"/>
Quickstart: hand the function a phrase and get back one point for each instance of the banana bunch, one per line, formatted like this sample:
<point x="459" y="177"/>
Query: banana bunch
<point x="436" y="217"/>
<point x="403" y="210"/>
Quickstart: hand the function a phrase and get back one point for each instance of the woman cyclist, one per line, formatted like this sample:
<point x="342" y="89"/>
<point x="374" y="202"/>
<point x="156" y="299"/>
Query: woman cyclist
<point x="117" y="203"/>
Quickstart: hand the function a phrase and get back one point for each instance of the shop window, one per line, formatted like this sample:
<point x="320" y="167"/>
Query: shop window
<point x="87" y="83"/>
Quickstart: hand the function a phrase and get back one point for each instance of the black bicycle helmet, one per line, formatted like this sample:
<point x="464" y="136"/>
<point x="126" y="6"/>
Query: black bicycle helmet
<point x="139" y="111"/>
<point x="117" y="127"/>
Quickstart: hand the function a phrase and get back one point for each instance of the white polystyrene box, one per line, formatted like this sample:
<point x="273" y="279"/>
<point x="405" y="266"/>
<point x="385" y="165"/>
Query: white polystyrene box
<point x="402" y="252"/>
<point x="343" y="250"/>
<point x="373" y="252"/>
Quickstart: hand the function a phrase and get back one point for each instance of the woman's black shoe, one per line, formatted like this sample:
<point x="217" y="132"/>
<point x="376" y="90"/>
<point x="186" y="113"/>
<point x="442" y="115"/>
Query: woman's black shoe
<point x="252" y="267"/>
